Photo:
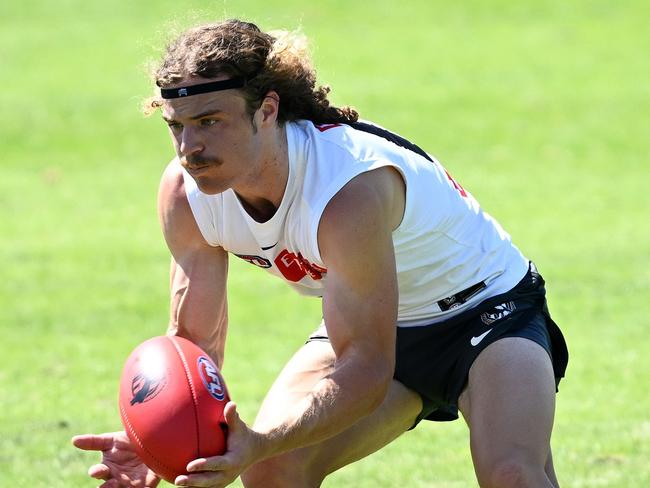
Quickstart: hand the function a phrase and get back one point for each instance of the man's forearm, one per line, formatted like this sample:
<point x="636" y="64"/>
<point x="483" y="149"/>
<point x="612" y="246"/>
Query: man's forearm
<point x="337" y="402"/>
<point x="198" y="316"/>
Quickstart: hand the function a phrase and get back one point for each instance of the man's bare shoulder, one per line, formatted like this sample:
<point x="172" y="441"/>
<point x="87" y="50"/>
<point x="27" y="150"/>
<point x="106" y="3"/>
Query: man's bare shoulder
<point x="172" y="186"/>
<point x="368" y="206"/>
<point x="174" y="211"/>
<point x="378" y="192"/>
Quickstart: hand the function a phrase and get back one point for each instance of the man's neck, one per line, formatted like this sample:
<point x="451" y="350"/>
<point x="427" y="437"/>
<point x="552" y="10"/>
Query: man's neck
<point x="262" y="198"/>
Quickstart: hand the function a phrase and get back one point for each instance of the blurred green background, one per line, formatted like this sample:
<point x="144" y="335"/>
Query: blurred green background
<point x="539" y="108"/>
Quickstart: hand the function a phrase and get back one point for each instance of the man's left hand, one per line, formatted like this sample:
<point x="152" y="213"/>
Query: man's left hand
<point x="244" y="447"/>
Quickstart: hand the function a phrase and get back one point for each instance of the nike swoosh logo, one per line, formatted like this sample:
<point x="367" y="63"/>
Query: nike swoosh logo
<point x="475" y="341"/>
<point x="269" y="247"/>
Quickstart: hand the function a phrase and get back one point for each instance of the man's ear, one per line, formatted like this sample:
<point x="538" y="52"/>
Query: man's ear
<point x="268" y="111"/>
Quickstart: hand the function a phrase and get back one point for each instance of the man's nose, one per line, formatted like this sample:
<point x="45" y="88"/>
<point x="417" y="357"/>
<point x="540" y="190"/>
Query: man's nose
<point x="190" y="143"/>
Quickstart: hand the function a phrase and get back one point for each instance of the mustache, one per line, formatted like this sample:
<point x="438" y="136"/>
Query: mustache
<point x="197" y="161"/>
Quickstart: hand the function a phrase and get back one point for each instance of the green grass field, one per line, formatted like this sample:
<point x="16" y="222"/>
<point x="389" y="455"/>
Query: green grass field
<point x="540" y="108"/>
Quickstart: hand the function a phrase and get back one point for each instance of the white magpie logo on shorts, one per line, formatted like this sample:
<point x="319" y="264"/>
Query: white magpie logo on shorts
<point x="499" y="312"/>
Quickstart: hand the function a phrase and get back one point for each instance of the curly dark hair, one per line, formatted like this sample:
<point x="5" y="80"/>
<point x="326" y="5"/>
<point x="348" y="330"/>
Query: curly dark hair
<point x="276" y="61"/>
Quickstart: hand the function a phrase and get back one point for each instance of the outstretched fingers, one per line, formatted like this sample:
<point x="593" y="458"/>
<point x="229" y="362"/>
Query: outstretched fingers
<point x="99" y="471"/>
<point x="94" y="442"/>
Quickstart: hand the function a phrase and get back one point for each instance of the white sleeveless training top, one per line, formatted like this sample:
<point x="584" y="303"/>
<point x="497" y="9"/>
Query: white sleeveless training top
<point x="444" y="244"/>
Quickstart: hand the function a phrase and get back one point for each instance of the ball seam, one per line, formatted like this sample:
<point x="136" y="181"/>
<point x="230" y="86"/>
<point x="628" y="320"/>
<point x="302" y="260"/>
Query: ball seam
<point x="125" y="417"/>
<point x="195" y="402"/>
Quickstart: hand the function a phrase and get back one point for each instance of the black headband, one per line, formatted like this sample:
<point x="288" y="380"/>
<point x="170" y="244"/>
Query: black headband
<point x="187" y="91"/>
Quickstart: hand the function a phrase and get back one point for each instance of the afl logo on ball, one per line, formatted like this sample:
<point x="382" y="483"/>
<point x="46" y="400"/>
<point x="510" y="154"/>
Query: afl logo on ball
<point x="144" y="388"/>
<point x="211" y="379"/>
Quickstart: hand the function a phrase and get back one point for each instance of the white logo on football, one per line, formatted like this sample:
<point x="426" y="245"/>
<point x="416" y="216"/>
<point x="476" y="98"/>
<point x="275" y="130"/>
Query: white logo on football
<point x="210" y="377"/>
<point x="475" y="341"/>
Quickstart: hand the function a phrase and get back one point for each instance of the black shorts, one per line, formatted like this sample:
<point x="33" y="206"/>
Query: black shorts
<point x="435" y="360"/>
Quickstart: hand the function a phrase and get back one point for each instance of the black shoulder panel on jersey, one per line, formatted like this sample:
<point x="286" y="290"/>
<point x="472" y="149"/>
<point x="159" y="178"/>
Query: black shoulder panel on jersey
<point x="389" y="136"/>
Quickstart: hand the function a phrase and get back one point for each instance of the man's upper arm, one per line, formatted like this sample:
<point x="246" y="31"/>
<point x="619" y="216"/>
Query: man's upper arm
<point x="198" y="270"/>
<point x="355" y="240"/>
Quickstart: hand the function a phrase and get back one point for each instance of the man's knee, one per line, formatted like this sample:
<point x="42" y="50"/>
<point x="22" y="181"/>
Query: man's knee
<point x="285" y="471"/>
<point x="512" y="473"/>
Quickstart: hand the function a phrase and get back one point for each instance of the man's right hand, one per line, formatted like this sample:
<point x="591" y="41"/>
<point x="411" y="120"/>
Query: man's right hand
<point x="120" y="466"/>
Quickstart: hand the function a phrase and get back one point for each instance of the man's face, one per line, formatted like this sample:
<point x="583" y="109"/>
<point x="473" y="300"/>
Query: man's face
<point x="214" y="138"/>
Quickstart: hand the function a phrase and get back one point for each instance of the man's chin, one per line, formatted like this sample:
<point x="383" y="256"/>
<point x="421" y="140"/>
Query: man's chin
<point x="208" y="187"/>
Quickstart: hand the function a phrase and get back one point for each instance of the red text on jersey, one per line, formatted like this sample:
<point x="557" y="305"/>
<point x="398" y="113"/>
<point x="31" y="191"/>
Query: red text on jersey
<point x="294" y="267"/>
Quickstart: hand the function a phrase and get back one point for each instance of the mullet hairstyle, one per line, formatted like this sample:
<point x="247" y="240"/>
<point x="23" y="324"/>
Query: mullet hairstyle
<point x="278" y="60"/>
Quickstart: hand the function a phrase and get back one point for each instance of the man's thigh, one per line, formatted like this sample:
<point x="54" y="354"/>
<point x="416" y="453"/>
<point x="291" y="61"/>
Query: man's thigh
<point x="314" y="361"/>
<point x="509" y="405"/>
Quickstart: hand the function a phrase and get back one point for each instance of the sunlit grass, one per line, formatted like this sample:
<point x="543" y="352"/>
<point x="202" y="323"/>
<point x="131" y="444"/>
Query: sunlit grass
<point x="538" y="108"/>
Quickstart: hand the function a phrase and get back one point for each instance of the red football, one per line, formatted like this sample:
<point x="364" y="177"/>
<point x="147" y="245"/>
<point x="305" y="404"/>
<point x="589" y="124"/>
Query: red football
<point x="172" y="398"/>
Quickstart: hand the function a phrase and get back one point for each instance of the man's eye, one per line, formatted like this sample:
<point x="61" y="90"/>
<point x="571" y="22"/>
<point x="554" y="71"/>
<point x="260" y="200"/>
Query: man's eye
<point x="175" y="125"/>
<point x="208" y="122"/>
